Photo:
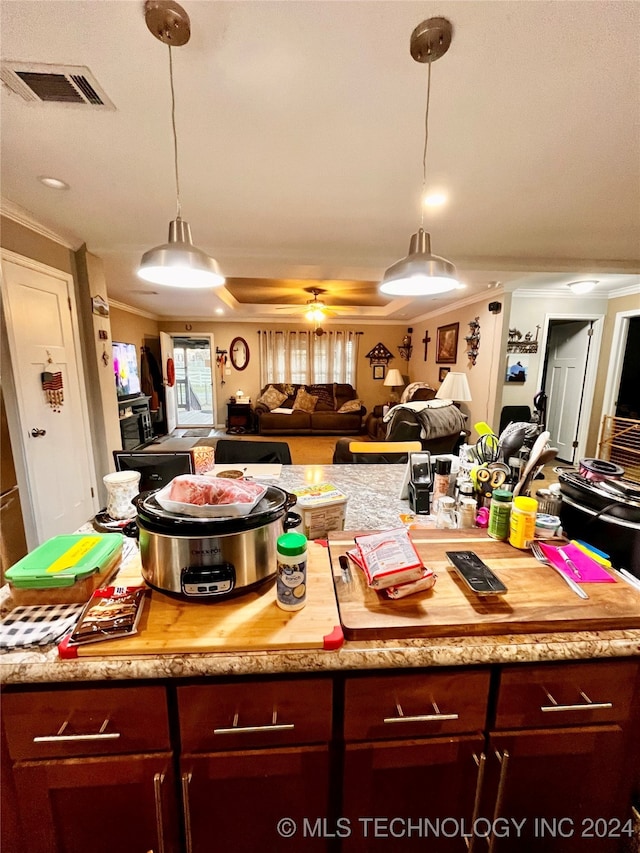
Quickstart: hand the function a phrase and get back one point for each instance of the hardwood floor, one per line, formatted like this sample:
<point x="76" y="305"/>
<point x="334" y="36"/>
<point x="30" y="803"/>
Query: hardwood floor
<point x="305" y="449"/>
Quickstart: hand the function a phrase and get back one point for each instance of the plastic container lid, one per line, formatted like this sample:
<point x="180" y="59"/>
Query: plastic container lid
<point x="502" y="495"/>
<point x="63" y="560"/>
<point x="292" y="544"/>
<point x="525" y="504"/>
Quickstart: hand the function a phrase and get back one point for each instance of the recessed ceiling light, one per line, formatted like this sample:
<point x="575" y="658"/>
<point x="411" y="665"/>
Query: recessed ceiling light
<point x="219" y="310"/>
<point x="434" y="199"/>
<point x="582" y="286"/>
<point x="53" y="183"/>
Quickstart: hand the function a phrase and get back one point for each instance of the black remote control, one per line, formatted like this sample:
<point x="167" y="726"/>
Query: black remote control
<point x="476" y="574"/>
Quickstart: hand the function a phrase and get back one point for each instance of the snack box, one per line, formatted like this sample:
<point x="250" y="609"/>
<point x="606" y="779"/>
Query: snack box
<point x="323" y="508"/>
<point x="65" y="569"/>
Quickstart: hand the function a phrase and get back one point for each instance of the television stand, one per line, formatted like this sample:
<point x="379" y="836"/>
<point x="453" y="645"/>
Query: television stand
<point x="136" y="429"/>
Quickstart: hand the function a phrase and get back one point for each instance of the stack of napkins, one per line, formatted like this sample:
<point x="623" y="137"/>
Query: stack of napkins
<point x="391" y="563"/>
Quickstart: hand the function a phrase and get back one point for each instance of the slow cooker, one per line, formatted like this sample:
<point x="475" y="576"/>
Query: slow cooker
<point x="207" y="559"/>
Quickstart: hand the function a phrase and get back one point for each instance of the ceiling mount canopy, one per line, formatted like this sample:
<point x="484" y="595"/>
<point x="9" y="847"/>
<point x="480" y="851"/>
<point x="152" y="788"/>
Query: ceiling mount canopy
<point x="422" y="273"/>
<point x="176" y="263"/>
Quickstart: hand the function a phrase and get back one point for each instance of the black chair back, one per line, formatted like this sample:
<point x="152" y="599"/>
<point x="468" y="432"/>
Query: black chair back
<point x="239" y="450"/>
<point x="156" y="468"/>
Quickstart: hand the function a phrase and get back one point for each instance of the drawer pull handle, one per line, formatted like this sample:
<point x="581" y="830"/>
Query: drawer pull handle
<point x="158" y="779"/>
<point x="480" y="760"/>
<point x="587" y="705"/>
<point x="186" y="811"/>
<point x="273" y="726"/>
<point x="502" y="784"/>
<point x="60" y="737"/>
<point x="420" y="718"/>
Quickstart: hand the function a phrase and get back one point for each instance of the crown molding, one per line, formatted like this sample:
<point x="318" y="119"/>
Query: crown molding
<point x="484" y="296"/>
<point x="122" y="306"/>
<point x="24" y="217"/>
<point x="630" y="290"/>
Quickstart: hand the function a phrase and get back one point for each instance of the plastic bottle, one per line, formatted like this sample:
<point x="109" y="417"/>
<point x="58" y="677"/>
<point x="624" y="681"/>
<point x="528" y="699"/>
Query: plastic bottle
<point x="291" y="581"/>
<point x="500" y="514"/>
<point x="440" y="482"/>
<point x="522" y="525"/>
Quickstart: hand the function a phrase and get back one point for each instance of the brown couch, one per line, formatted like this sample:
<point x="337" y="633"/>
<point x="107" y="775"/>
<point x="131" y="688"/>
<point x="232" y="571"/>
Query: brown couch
<point x="323" y="420"/>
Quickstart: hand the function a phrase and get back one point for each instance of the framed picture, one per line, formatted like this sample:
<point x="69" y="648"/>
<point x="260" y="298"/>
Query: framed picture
<point x="447" y="344"/>
<point x="379" y="371"/>
<point x="517" y="368"/>
<point x="442" y="373"/>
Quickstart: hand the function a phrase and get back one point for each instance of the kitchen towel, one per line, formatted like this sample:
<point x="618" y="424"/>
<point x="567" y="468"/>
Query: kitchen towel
<point x="590" y="571"/>
<point x="38" y="625"/>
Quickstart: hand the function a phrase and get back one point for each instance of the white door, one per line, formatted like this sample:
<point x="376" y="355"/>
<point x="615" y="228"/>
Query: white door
<point x="166" y="353"/>
<point x="567" y="351"/>
<point x="42" y="338"/>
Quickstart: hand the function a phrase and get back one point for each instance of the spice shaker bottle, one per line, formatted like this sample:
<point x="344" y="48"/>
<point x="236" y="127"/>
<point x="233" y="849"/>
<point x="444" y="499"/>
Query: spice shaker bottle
<point x="522" y="524"/>
<point x="291" y="581"/>
<point x="500" y="514"/>
<point x="440" y="482"/>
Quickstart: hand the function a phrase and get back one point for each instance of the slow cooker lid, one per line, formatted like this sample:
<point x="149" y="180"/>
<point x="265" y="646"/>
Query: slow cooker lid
<point x="154" y="517"/>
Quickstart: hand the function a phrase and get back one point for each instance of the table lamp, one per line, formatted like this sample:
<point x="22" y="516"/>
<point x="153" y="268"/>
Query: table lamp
<point x="394" y="380"/>
<point x="454" y="387"/>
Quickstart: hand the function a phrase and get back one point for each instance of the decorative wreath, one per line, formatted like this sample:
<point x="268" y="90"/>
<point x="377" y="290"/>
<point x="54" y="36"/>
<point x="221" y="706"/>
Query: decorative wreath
<point x="171" y="373"/>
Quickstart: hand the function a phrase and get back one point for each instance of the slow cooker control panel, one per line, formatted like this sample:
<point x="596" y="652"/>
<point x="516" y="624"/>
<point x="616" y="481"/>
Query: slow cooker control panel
<point x="208" y="580"/>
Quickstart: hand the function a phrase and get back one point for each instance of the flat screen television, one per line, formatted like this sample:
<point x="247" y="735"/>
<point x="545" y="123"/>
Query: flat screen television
<point x="156" y="469"/>
<point x="125" y="369"/>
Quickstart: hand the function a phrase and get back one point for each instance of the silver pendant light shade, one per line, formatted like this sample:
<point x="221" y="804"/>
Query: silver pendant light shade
<point x="176" y="263"/>
<point x="179" y="263"/>
<point x="420" y="273"/>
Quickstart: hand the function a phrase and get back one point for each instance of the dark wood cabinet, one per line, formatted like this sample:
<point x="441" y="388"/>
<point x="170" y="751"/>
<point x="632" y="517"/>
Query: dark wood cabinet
<point x="525" y="758"/>
<point x="136" y="428"/>
<point x="92" y="770"/>
<point x="240" y="418"/>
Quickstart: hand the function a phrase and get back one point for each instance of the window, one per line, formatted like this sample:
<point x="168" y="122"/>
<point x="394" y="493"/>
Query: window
<point x="303" y="357"/>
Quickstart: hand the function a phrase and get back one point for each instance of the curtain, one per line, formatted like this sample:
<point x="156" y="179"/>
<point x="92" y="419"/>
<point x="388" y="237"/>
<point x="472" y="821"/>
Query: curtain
<point x="302" y="357"/>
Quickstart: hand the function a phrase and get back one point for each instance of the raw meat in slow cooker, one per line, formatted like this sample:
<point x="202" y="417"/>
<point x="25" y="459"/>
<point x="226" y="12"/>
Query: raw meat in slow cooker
<point x="199" y="490"/>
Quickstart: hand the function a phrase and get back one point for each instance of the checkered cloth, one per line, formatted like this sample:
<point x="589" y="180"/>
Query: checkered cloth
<point x="39" y="625"/>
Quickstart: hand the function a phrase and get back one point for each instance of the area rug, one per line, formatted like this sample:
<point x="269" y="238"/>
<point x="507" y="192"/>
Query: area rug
<point x="196" y="433"/>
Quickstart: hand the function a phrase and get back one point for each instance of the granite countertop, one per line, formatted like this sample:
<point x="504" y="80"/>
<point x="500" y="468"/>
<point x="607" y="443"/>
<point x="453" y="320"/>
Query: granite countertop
<point x="373" y="492"/>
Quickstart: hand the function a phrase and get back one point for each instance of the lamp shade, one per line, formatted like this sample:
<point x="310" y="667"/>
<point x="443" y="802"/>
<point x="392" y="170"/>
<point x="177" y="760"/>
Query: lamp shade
<point x="420" y="273"/>
<point x="455" y="387"/>
<point x="179" y="263"/>
<point x="393" y="378"/>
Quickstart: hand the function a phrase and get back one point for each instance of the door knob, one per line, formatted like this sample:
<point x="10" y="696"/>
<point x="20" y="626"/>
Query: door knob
<point x="36" y="433"/>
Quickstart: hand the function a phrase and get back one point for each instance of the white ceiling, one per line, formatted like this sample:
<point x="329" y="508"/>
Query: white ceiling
<point x="300" y="130"/>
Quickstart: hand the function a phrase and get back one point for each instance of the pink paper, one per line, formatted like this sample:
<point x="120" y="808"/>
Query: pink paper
<point x="591" y="571"/>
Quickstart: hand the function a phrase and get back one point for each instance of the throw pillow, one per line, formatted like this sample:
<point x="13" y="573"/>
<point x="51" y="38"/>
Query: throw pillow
<point x="272" y="398"/>
<point x="305" y="402"/>
<point x="326" y="400"/>
<point x="350" y="406"/>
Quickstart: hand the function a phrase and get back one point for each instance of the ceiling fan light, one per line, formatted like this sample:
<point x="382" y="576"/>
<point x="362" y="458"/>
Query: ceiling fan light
<point x="178" y="263"/>
<point x="420" y="273"/>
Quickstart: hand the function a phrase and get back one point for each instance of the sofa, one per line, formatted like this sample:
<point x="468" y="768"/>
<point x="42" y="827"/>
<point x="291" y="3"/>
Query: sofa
<point x="322" y="417"/>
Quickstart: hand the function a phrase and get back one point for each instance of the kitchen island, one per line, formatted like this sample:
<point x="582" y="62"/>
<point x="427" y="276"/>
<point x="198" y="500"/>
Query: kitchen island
<point x="356" y="732"/>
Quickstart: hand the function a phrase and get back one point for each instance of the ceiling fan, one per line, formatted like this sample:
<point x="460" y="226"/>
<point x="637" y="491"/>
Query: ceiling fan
<point x="314" y="310"/>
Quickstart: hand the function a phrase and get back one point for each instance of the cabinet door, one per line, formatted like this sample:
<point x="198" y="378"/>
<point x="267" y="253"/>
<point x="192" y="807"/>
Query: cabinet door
<point x="412" y="795"/>
<point x="235" y="800"/>
<point x="562" y="785"/>
<point x="76" y="805"/>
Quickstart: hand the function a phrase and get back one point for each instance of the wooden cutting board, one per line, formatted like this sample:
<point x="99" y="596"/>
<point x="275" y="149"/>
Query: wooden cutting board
<point x="537" y="599"/>
<point x="250" y="622"/>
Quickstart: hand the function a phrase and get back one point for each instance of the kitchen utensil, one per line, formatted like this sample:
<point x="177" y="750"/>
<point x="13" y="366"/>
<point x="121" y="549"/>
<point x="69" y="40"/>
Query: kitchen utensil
<point x="569" y="563"/>
<point x="534" y="456"/>
<point x="632" y="580"/>
<point x="539" y="554"/>
<point x="486" y="448"/>
<point x="511" y="441"/>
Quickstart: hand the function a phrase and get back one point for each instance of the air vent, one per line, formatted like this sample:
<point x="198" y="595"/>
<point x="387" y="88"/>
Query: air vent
<point x="59" y="84"/>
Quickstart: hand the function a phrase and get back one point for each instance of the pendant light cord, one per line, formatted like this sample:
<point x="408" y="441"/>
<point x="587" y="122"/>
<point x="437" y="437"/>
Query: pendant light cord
<point x="426" y="141"/>
<point x="175" y="135"/>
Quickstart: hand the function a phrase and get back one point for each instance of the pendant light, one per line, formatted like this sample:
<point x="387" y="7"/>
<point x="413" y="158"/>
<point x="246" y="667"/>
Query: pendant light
<point x="422" y="273"/>
<point x="177" y="263"/>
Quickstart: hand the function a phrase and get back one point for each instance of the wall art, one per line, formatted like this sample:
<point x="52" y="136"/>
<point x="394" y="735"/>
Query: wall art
<point x="447" y="344"/>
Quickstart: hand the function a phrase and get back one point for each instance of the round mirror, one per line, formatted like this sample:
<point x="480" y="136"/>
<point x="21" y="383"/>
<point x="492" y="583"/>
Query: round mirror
<point x="239" y="353"/>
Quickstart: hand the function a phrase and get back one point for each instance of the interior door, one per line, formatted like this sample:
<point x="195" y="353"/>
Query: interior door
<point x="567" y="351"/>
<point x="56" y="443"/>
<point x="166" y="353"/>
